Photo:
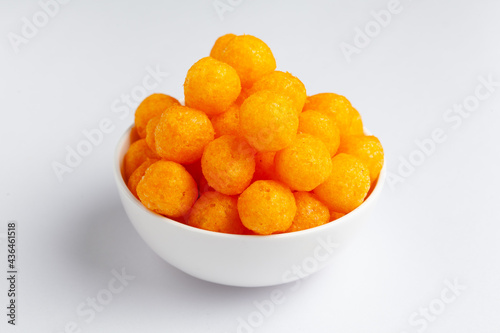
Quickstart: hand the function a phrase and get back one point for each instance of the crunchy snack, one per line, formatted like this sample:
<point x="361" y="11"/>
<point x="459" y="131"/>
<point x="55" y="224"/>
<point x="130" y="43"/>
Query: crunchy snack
<point x="285" y="84"/>
<point x="215" y="211"/>
<point x="137" y="153"/>
<point x="310" y="212"/>
<point x="268" y="121"/>
<point x="182" y="134"/>
<point x="322" y="127"/>
<point x="249" y="56"/>
<point x="368" y="149"/>
<point x="266" y="207"/>
<point x="228" y="164"/>
<point x="167" y="189"/>
<point x="304" y="164"/>
<point x="150" y="107"/>
<point x="347" y="186"/>
<point x="211" y="86"/>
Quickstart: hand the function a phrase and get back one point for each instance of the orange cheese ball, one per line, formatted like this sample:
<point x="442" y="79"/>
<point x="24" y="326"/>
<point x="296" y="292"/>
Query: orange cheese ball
<point x="347" y="186"/>
<point x="218" y="212"/>
<point x="249" y="56"/>
<point x="356" y="127"/>
<point x="136" y="176"/>
<point x="285" y="84"/>
<point x="137" y="153"/>
<point x="266" y="207"/>
<point x="150" y="107"/>
<point x="134" y="136"/>
<point x="335" y="216"/>
<point x="264" y="166"/>
<point x="167" y="189"/>
<point x="368" y="149"/>
<point x="310" y="212"/>
<point x="220" y="45"/>
<point x="182" y="134"/>
<point x="227" y="123"/>
<point x="150" y="132"/>
<point x="304" y="164"/>
<point x="228" y="164"/>
<point x="321" y="126"/>
<point x="211" y="86"/>
<point x="336" y="106"/>
<point x="268" y="121"/>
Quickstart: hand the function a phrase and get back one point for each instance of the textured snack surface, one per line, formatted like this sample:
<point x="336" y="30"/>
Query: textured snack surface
<point x="211" y="86"/>
<point x="347" y="186"/>
<point x="321" y="126"/>
<point x="150" y="132"/>
<point x="168" y="189"/>
<point x="150" y="107"/>
<point x="285" y="84"/>
<point x="336" y="106"/>
<point x="182" y="134"/>
<point x="304" y="164"/>
<point x="249" y="56"/>
<point x="227" y="123"/>
<point x="368" y="149"/>
<point x="215" y="211"/>
<point x="266" y="207"/>
<point x="137" y="153"/>
<point x="268" y="121"/>
<point x="220" y="45"/>
<point x="137" y="175"/>
<point x="310" y="212"/>
<point x="228" y="164"/>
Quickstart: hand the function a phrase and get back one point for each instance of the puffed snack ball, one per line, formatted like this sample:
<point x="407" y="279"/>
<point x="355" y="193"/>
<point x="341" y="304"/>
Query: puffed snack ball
<point x="336" y="106"/>
<point x="267" y="207"/>
<point x="310" y="212"/>
<point x="347" y="186"/>
<point x="218" y="212"/>
<point x="211" y="86"/>
<point x="137" y="153"/>
<point x="137" y="175"/>
<point x="150" y="107"/>
<point x="228" y="164"/>
<point x="304" y="164"/>
<point x="285" y="84"/>
<point x="249" y="56"/>
<point x="167" y="189"/>
<point x="321" y="126"/>
<point x="368" y="149"/>
<point x="268" y="121"/>
<point x="182" y="134"/>
<point x="227" y="123"/>
<point x="220" y="45"/>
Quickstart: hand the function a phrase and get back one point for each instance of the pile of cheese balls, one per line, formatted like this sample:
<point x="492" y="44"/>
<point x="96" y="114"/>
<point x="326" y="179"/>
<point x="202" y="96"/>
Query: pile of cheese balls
<point x="249" y="153"/>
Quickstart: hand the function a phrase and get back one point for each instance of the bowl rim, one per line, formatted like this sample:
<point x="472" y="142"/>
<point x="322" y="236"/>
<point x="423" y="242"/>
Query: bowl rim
<point x="122" y="186"/>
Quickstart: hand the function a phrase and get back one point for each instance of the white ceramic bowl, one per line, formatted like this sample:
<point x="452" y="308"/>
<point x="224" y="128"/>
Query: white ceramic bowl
<point x="240" y="260"/>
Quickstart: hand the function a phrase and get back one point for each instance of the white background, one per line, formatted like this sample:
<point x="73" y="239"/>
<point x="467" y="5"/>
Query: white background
<point x="439" y="223"/>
